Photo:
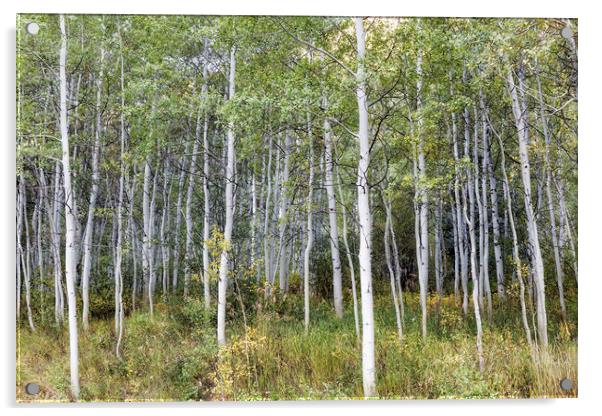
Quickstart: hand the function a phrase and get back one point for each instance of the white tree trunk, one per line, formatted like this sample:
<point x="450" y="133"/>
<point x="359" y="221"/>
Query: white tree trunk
<point x="70" y="222"/>
<point x="310" y="233"/>
<point x="438" y="258"/>
<point x="165" y="225"/>
<point x="119" y="309"/>
<point x="349" y="260"/>
<point x="224" y="270"/>
<point x="484" y="200"/>
<point x="422" y="197"/>
<point x="282" y="217"/>
<point x="460" y="226"/>
<point x="565" y="224"/>
<point x="206" y="213"/>
<point x="253" y="223"/>
<point x="456" y="251"/>
<point x="133" y="239"/>
<point x="154" y="231"/>
<point x="515" y="252"/>
<point x="497" y="248"/>
<point x="392" y="277"/>
<point x="28" y="251"/>
<point x="550" y="207"/>
<point x="54" y="219"/>
<point x="365" y="218"/>
<point x="147" y="261"/>
<point x="520" y="115"/>
<point x="177" y="226"/>
<point x="188" y="254"/>
<point x="479" y="205"/>
<point x="41" y="269"/>
<point x="89" y="233"/>
<point x="337" y="280"/>
<point x="266" y="223"/>
<point x="473" y="268"/>
<point x="398" y="270"/>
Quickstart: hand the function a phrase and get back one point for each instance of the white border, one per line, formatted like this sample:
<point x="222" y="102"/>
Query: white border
<point x="589" y="196"/>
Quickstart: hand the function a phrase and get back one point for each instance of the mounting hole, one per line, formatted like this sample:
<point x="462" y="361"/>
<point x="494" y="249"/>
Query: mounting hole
<point x="566" y="33"/>
<point x="32" y="28"/>
<point x="32" y="389"/>
<point x="566" y="384"/>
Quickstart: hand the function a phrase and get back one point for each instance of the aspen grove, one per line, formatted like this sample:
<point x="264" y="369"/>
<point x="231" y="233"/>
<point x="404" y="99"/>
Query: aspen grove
<point x="250" y="208"/>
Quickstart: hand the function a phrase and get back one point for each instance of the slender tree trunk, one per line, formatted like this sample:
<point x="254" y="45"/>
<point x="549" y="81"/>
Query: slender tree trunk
<point x="26" y="255"/>
<point x="365" y="218"/>
<point x="551" y="209"/>
<point x="565" y="224"/>
<point x="207" y="208"/>
<point x="282" y="216"/>
<point x="438" y="258"/>
<point x="188" y="255"/>
<point x="133" y="239"/>
<point x="497" y="248"/>
<point x="165" y="224"/>
<point x="391" y="271"/>
<point x="349" y="260"/>
<point x="520" y="114"/>
<point x="70" y="223"/>
<point x="223" y="270"/>
<point x="253" y="223"/>
<point x="273" y="258"/>
<point x="20" y="257"/>
<point x="470" y="221"/>
<point x="89" y="233"/>
<point x="460" y="226"/>
<point x="475" y="283"/>
<point x="42" y="287"/>
<point x="477" y="194"/>
<point x="154" y="232"/>
<point x="266" y="223"/>
<point x="515" y="252"/>
<point x="422" y="197"/>
<point x="310" y="233"/>
<point x="177" y="226"/>
<point x="119" y="310"/>
<point x="456" y="252"/>
<point x="484" y="189"/>
<point x="337" y="280"/>
<point x="147" y="230"/>
<point x="398" y="271"/>
<point x="54" y="220"/>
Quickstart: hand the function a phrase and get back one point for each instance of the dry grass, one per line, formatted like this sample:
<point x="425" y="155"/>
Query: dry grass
<point x="173" y="357"/>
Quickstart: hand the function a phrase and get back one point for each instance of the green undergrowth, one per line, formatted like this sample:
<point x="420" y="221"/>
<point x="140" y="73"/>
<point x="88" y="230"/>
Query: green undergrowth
<point x="173" y="356"/>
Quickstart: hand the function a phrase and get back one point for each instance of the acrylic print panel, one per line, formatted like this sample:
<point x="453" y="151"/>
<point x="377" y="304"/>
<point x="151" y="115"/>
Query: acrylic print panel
<point x="285" y="208"/>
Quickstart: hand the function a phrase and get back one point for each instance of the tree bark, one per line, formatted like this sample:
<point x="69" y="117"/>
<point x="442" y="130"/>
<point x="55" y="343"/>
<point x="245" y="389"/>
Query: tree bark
<point x="282" y="217"/>
<point x="70" y="222"/>
<point x="89" y="233"/>
<point x="422" y="201"/>
<point x="550" y="204"/>
<point x="365" y="218"/>
<point x="515" y="251"/>
<point x="520" y="115"/>
<point x="224" y="270"/>
<point x="349" y="260"/>
<point x="207" y="205"/>
<point x="392" y="277"/>
<point x="337" y="280"/>
<point x="188" y="250"/>
<point x="310" y="234"/>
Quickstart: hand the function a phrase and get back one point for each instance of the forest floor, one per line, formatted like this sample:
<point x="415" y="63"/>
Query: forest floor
<point x="173" y="356"/>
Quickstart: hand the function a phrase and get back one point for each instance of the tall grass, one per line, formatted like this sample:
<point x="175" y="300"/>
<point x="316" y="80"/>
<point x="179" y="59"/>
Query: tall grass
<point x="173" y="356"/>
